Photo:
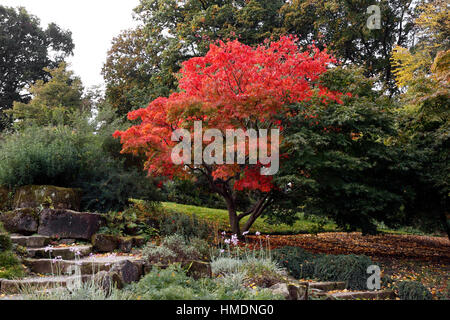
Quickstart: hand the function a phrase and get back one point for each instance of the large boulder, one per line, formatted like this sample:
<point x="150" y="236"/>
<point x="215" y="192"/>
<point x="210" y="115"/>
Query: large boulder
<point x="128" y="271"/>
<point x="198" y="269"/>
<point x="105" y="242"/>
<point x="108" y="280"/>
<point x="69" y="224"/>
<point x="47" y="196"/>
<point x="23" y="221"/>
<point x="290" y="291"/>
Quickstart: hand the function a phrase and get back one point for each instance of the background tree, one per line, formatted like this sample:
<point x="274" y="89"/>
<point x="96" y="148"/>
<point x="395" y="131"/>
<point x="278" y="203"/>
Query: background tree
<point x="340" y="164"/>
<point x="54" y="102"/>
<point x="142" y="63"/>
<point x="26" y="49"/>
<point x="423" y="73"/>
<point x="342" y="25"/>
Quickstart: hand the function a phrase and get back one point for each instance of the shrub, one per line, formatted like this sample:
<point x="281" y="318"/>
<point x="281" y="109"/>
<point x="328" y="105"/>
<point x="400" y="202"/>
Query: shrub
<point x="5" y="242"/>
<point x="83" y="155"/>
<point x="187" y="226"/>
<point x="128" y="222"/>
<point x="296" y="260"/>
<point x="413" y="290"/>
<point x="261" y="272"/>
<point x="349" y="268"/>
<point x="173" y="284"/>
<point x="173" y="249"/>
<point x="10" y="266"/>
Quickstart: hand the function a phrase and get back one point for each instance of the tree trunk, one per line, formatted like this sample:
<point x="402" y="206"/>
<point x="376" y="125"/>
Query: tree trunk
<point x="444" y="219"/>
<point x="234" y="221"/>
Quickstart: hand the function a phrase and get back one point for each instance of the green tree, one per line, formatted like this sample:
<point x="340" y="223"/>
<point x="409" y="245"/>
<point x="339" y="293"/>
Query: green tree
<point x="53" y="102"/>
<point x="26" y="49"/>
<point x="340" y="163"/>
<point x="342" y="26"/>
<point x="423" y="73"/>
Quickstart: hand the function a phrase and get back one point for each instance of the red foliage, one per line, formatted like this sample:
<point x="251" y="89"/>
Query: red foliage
<point x="233" y="86"/>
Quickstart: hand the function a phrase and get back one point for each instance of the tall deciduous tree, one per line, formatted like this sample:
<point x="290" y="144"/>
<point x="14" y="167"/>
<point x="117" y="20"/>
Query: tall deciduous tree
<point x="234" y="86"/>
<point x="25" y="50"/>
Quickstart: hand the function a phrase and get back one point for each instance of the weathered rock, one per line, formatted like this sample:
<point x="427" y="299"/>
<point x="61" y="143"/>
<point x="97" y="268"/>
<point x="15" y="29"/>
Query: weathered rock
<point x="138" y="241"/>
<point x="47" y="196"/>
<point x="290" y="292"/>
<point x="24" y="221"/>
<point x="38" y="283"/>
<point x="125" y="244"/>
<point x="66" y="253"/>
<point x="198" y="269"/>
<point x="128" y="271"/>
<point x="30" y="241"/>
<point x="105" y="242"/>
<point x="327" y="286"/>
<point x="371" y="295"/>
<point x="108" y="280"/>
<point x="88" y="265"/>
<point x="67" y="241"/>
<point x="68" y="224"/>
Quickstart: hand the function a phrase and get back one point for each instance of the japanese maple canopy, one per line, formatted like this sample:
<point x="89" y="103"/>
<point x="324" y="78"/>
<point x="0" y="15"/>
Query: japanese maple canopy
<point x="232" y="86"/>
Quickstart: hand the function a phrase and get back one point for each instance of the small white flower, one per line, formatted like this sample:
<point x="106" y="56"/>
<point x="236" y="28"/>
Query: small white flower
<point x="48" y="248"/>
<point x="245" y="233"/>
<point x="222" y="250"/>
<point x="227" y="241"/>
<point x="258" y="233"/>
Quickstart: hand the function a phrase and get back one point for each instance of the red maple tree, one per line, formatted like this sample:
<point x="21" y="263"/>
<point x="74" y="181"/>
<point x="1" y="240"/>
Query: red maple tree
<point x="233" y="86"/>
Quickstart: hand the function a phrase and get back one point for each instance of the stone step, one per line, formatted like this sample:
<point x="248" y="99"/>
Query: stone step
<point x="28" y="285"/>
<point x="89" y="265"/>
<point x="66" y="253"/>
<point x="30" y="241"/>
<point x="327" y="286"/>
<point x="372" y="295"/>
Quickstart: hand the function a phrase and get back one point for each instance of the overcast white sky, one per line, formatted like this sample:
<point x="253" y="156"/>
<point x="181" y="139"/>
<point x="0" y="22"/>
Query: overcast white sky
<point x="94" y="23"/>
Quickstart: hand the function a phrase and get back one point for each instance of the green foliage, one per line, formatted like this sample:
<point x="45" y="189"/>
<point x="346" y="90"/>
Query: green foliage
<point x="83" y="155"/>
<point x="53" y="102"/>
<point x="175" y="248"/>
<point x="127" y="222"/>
<point x="413" y="290"/>
<point x="41" y="156"/>
<point x="341" y="165"/>
<point x="27" y="49"/>
<point x="186" y="226"/>
<point x="252" y="271"/>
<point x="351" y="269"/>
<point x="10" y="266"/>
<point x="173" y="284"/>
<point x="296" y="260"/>
<point x="5" y="241"/>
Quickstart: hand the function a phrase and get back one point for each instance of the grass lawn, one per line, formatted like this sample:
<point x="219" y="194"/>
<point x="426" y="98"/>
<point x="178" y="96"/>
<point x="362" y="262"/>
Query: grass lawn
<point x="220" y="216"/>
<point x="302" y="225"/>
